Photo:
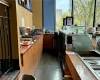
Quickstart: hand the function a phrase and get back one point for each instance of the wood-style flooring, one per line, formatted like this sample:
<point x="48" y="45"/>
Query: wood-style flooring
<point x="49" y="68"/>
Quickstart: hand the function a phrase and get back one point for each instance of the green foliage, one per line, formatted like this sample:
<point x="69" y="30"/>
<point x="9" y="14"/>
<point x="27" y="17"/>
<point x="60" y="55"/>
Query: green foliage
<point x="83" y="13"/>
<point x="59" y="23"/>
<point x="98" y="12"/>
<point x="84" y="10"/>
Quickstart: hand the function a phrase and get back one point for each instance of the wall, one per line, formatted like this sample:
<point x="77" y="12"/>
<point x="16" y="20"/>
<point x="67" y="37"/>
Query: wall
<point x="37" y="13"/>
<point x="21" y="12"/>
<point x="49" y="14"/>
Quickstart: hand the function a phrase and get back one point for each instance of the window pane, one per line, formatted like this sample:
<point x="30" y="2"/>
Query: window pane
<point x="83" y="12"/>
<point x="63" y="9"/>
<point x="98" y="13"/>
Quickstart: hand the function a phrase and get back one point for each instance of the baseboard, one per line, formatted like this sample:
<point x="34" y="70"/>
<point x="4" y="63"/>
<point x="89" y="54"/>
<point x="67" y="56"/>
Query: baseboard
<point x="15" y="64"/>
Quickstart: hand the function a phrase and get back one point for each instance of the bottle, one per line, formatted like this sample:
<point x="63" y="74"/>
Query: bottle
<point x="64" y="21"/>
<point x="69" y="42"/>
<point x="30" y="6"/>
<point x="19" y="1"/>
<point x="27" y="4"/>
<point x="22" y="2"/>
<point x="76" y="31"/>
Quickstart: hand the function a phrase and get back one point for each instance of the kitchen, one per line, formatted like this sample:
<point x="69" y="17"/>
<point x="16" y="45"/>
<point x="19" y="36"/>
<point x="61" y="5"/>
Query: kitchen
<point x="28" y="48"/>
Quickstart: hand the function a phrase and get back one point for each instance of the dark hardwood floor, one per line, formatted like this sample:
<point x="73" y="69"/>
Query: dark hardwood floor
<point x="49" y="68"/>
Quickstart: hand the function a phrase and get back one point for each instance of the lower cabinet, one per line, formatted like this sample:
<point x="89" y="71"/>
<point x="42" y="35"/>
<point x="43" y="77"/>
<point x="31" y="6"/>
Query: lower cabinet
<point x="48" y="41"/>
<point x="30" y="59"/>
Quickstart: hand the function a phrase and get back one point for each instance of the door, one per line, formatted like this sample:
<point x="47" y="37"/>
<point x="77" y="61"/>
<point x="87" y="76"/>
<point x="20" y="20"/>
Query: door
<point x="5" y="46"/>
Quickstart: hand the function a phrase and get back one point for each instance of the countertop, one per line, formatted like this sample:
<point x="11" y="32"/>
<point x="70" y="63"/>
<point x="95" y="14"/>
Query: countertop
<point x="24" y="49"/>
<point x="77" y="68"/>
<point x="48" y="33"/>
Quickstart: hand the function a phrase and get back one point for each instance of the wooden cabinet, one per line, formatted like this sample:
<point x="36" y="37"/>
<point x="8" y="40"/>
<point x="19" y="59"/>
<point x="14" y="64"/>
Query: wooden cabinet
<point x="77" y="68"/>
<point x="30" y="59"/>
<point x="48" y="41"/>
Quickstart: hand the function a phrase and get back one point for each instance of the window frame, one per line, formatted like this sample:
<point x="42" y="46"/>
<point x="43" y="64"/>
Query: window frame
<point x="94" y="16"/>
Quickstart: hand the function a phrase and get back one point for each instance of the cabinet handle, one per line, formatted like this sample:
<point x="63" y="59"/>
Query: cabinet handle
<point x="22" y="59"/>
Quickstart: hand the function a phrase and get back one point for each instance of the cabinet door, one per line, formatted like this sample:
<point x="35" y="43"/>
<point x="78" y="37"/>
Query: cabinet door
<point x="48" y="41"/>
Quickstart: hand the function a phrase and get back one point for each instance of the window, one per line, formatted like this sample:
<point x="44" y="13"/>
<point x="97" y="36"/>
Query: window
<point x="97" y="12"/>
<point x="63" y="9"/>
<point x="84" y="12"/>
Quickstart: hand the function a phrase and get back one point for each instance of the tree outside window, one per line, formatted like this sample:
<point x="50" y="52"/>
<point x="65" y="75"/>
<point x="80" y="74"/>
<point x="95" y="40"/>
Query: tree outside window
<point x="83" y="12"/>
<point x="63" y="9"/>
<point x="97" y="12"/>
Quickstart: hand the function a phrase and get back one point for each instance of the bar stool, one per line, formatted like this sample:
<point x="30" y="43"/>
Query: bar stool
<point x="27" y="77"/>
